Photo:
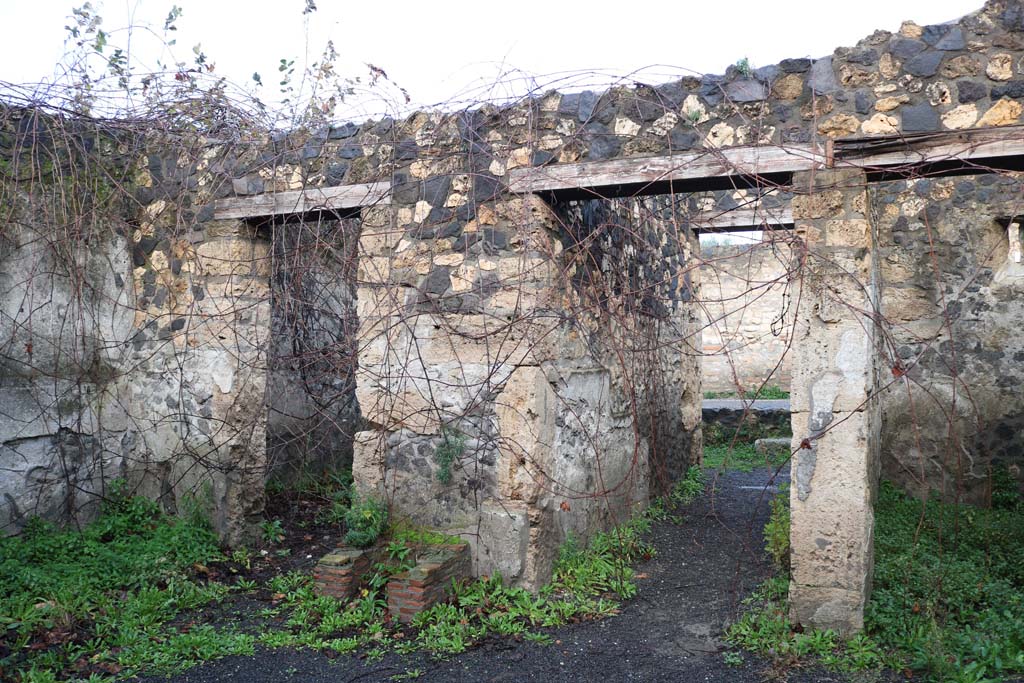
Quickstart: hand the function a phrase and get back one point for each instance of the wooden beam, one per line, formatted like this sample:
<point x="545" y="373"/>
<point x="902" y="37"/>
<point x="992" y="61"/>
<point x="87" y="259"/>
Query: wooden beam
<point x="913" y="149"/>
<point x="876" y="152"/>
<point x="716" y="163"/>
<point x="303" y="201"/>
<point x="757" y="218"/>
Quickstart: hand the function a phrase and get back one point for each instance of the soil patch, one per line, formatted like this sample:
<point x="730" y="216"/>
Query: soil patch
<point x="671" y="631"/>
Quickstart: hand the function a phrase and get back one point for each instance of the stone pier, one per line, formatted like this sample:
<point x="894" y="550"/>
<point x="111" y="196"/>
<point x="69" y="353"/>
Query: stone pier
<point x="835" y="431"/>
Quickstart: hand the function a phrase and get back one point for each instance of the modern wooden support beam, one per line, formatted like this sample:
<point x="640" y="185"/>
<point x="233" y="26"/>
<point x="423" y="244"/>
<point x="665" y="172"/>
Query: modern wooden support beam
<point x="929" y="148"/>
<point x="736" y="220"/>
<point x="716" y="163"/>
<point x="303" y="201"/>
<point x="891" y="151"/>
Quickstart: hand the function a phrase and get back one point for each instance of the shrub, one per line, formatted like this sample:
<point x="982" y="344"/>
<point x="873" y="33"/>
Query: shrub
<point x="366" y="519"/>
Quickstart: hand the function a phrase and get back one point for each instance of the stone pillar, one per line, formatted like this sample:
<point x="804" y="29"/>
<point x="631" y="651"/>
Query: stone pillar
<point x="236" y="262"/>
<point x="835" y="421"/>
<point x="199" y="373"/>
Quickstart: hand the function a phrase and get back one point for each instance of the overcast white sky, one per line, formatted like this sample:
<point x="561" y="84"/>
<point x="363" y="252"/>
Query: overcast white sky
<point x="457" y="51"/>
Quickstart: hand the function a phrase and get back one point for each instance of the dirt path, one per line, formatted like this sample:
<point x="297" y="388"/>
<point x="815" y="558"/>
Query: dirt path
<point x="670" y="631"/>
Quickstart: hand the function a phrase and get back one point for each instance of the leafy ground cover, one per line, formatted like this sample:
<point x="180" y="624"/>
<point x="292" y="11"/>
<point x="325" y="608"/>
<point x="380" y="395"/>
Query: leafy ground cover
<point x="947" y="603"/>
<point x="140" y="592"/>
<point x="96" y="603"/>
<point x="733" y="447"/>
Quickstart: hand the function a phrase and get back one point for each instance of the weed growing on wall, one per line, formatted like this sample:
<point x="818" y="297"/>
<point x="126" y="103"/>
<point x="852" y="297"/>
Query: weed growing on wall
<point x="448" y="451"/>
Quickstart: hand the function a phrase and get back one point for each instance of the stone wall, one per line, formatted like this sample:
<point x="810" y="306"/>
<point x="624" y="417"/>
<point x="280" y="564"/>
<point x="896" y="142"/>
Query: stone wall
<point x="134" y="335"/>
<point x="58" y="374"/>
<point x="748" y="297"/>
<point x="527" y="367"/>
<point x="524" y="390"/>
<point x="953" y="306"/>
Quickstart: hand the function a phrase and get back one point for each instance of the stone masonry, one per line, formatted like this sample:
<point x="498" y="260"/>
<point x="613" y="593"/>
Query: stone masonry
<point x="747" y="292"/>
<point x="523" y="367"/>
<point x="835" y="421"/>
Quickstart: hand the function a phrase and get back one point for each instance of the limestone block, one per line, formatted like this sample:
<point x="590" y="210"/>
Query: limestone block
<point x="237" y="255"/>
<point x="374" y="270"/>
<point x="853" y="232"/>
<point x="962" y="116"/>
<point x="831" y="497"/>
<point x="237" y="287"/>
<point x="840" y="125"/>
<point x="626" y="127"/>
<point x="1002" y="113"/>
<point x="526" y="409"/>
<point x="694" y="111"/>
<point x="368" y="448"/>
<point x="1000" y="67"/>
<point x="825" y="204"/>
<point x="398" y="402"/>
<point x="504" y="540"/>
<point x="889" y="66"/>
<point x="720" y="135"/>
<point x="827" y="608"/>
<point x="831" y="369"/>
<point x="379" y="240"/>
<point x="449" y="260"/>
<point x="880" y="124"/>
<point x="516" y="269"/>
<point x="664" y="124"/>
<point x="908" y="304"/>
<point x="789" y="87"/>
<point x="464" y="278"/>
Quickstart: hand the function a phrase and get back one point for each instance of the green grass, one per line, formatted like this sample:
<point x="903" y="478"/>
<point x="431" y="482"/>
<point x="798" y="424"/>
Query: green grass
<point x="742" y="457"/>
<point x="948" y="597"/>
<point x="126" y="589"/>
<point x="765" y="394"/>
<point x="716" y="434"/>
<point x="102" y="599"/>
<point x="588" y="582"/>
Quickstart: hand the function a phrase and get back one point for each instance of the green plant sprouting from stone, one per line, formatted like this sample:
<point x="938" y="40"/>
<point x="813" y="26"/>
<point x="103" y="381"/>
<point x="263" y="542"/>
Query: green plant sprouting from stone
<point x="448" y="452"/>
<point x="776" y="530"/>
<point x="743" y="67"/>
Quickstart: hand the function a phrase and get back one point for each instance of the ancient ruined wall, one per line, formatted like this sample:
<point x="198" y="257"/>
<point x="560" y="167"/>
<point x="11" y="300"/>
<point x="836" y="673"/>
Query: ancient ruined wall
<point x="58" y="373"/>
<point x="133" y="335"/>
<point x="951" y="298"/>
<point x="522" y="391"/>
<point x="484" y="370"/>
<point x="748" y="301"/>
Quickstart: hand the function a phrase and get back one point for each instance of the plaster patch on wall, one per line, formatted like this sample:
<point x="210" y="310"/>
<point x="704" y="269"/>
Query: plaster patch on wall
<point x="222" y="373"/>
<point x="806" y="461"/>
<point x="823" y="397"/>
<point x="851" y="359"/>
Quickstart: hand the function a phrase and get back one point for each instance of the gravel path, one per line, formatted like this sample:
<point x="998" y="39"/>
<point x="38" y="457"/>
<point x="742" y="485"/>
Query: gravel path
<point x="671" y="631"/>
